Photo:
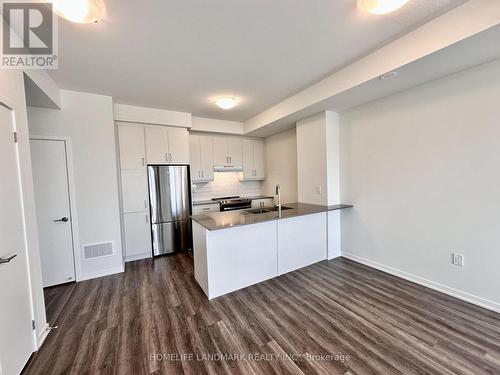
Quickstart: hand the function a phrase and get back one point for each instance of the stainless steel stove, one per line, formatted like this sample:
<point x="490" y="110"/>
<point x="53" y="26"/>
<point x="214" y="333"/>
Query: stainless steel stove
<point x="233" y="203"/>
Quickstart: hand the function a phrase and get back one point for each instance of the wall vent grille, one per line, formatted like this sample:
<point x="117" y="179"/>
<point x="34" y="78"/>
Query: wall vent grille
<point x="97" y="250"/>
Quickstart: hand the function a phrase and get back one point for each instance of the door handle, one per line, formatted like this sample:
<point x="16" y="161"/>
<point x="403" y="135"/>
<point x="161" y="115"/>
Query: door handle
<point x="8" y="259"/>
<point x="61" y="220"/>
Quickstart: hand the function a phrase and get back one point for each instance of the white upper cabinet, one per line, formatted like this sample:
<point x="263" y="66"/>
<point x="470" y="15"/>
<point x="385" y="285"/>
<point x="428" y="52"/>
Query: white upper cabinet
<point x="253" y="159"/>
<point x="132" y="148"/>
<point x="227" y="151"/>
<point x="166" y="145"/>
<point x="201" y="157"/>
<point x="178" y="145"/>
<point x="157" y="145"/>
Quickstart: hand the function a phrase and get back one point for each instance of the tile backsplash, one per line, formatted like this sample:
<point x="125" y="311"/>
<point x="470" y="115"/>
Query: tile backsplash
<point x="225" y="184"/>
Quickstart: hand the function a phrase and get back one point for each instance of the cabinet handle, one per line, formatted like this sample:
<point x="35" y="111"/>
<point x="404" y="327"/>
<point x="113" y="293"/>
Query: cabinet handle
<point x="202" y="174"/>
<point x="170" y="156"/>
<point x="166" y="156"/>
<point x="230" y="160"/>
<point x="205" y="209"/>
<point x="142" y="161"/>
<point x="145" y="204"/>
<point x="147" y="219"/>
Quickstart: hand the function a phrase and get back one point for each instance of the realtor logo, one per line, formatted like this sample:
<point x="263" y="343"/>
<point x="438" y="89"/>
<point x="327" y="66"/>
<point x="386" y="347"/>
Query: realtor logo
<point x="29" y="36"/>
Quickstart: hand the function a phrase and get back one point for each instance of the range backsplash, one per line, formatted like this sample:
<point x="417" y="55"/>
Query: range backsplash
<point x="226" y="184"/>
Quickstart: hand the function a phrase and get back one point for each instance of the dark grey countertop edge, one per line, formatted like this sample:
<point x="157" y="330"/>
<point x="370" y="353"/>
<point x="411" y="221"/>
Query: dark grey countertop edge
<point x="319" y="209"/>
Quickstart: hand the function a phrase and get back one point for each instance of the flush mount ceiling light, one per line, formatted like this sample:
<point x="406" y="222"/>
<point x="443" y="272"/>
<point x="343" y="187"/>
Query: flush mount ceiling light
<point x="225" y="102"/>
<point x="80" y="11"/>
<point x="388" y="75"/>
<point x="380" y="6"/>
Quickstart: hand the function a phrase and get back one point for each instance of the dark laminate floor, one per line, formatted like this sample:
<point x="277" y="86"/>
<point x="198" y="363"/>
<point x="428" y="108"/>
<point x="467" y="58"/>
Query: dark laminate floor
<point x="384" y="324"/>
<point x="55" y="299"/>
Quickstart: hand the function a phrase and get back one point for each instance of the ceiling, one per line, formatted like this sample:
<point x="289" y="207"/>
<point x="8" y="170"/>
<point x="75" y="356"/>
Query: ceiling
<point x="181" y="55"/>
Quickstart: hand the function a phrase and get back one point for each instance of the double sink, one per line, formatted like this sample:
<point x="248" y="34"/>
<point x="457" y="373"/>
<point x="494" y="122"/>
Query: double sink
<point x="264" y="210"/>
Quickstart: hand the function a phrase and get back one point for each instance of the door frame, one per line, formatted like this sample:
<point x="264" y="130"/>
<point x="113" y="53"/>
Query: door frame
<point x="77" y="261"/>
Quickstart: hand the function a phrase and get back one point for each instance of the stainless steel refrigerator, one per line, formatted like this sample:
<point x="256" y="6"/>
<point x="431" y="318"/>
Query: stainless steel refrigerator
<point x="169" y="199"/>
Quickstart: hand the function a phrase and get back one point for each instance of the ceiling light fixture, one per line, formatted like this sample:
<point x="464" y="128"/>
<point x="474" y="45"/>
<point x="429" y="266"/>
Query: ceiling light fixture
<point x="380" y="7"/>
<point x="80" y="11"/>
<point x="388" y="75"/>
<point x="226" y="102"/>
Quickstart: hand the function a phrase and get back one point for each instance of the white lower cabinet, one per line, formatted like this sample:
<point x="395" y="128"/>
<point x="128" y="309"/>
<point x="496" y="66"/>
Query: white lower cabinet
<point x="137" y="236"/>
<point x="301" y="241"/>
<point x="134" y="191"/>
<point x="203" y="208"/>
<point x="231" y="259"/>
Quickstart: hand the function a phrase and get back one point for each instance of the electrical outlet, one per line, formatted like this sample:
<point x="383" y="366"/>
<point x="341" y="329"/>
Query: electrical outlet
<point x="457" y="259"/>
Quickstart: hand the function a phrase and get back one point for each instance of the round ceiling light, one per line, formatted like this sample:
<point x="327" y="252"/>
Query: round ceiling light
<point x="381" y="6"/>
<point x="80" y="11"/>
<point x="225" y="102"/>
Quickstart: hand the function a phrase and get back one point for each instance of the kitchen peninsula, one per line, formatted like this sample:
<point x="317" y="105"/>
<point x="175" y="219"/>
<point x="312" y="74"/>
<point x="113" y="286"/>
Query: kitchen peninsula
<point x="233" y="250"/>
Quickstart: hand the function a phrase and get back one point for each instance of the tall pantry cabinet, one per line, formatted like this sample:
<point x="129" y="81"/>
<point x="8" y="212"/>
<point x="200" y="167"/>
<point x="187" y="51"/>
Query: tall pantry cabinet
<point x="140" y="145"/>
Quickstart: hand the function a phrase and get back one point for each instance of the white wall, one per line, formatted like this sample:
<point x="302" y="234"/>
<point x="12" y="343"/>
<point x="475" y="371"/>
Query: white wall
<point x="87" y="119"/>
<point x="145" y="115"/>
<point x="203" y="124"/>
<point x="318" y="159"/>
<point x="12" y="92"/>
<point x="422" y="169"/>
<point x="226" y="184"/>
<point x="311" y="160"/>
<point x="281" y="165"/>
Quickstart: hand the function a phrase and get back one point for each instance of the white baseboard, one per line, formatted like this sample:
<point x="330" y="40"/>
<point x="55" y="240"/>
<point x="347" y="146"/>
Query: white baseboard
<point x="106" y="272"/>
<point x="137" y="257"/>
<point x="42" y="336"/>
<point x="464" y="296"/>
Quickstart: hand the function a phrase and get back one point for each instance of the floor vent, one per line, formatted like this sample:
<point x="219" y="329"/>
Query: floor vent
<point x="97" y="250"/>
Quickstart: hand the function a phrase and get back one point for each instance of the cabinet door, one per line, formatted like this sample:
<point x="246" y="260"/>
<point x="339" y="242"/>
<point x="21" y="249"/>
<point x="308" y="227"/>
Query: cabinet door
<point x="258" y="159"/>
<point x="131" y="143"/>
<point x="248" y="159"/>
<point x="200" y="209"/>
<point x="195" y="157"/>
<point x="178" y="146"/>
<point x="156" y="145"/>
<point x="134" y="191"/>
<point x="221" y="156"/>
<point x="206" y="158"/>
<point x="137" y="236"/>
<point x="234" y="151"/>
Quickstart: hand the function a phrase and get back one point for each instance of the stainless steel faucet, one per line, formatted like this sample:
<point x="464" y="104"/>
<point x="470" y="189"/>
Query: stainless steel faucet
<point x="278" y="193"/>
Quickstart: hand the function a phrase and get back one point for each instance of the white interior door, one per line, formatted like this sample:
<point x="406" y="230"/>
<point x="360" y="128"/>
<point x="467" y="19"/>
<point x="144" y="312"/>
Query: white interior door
<point x="50" y="178"/>
<point x="16" y="334"/>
